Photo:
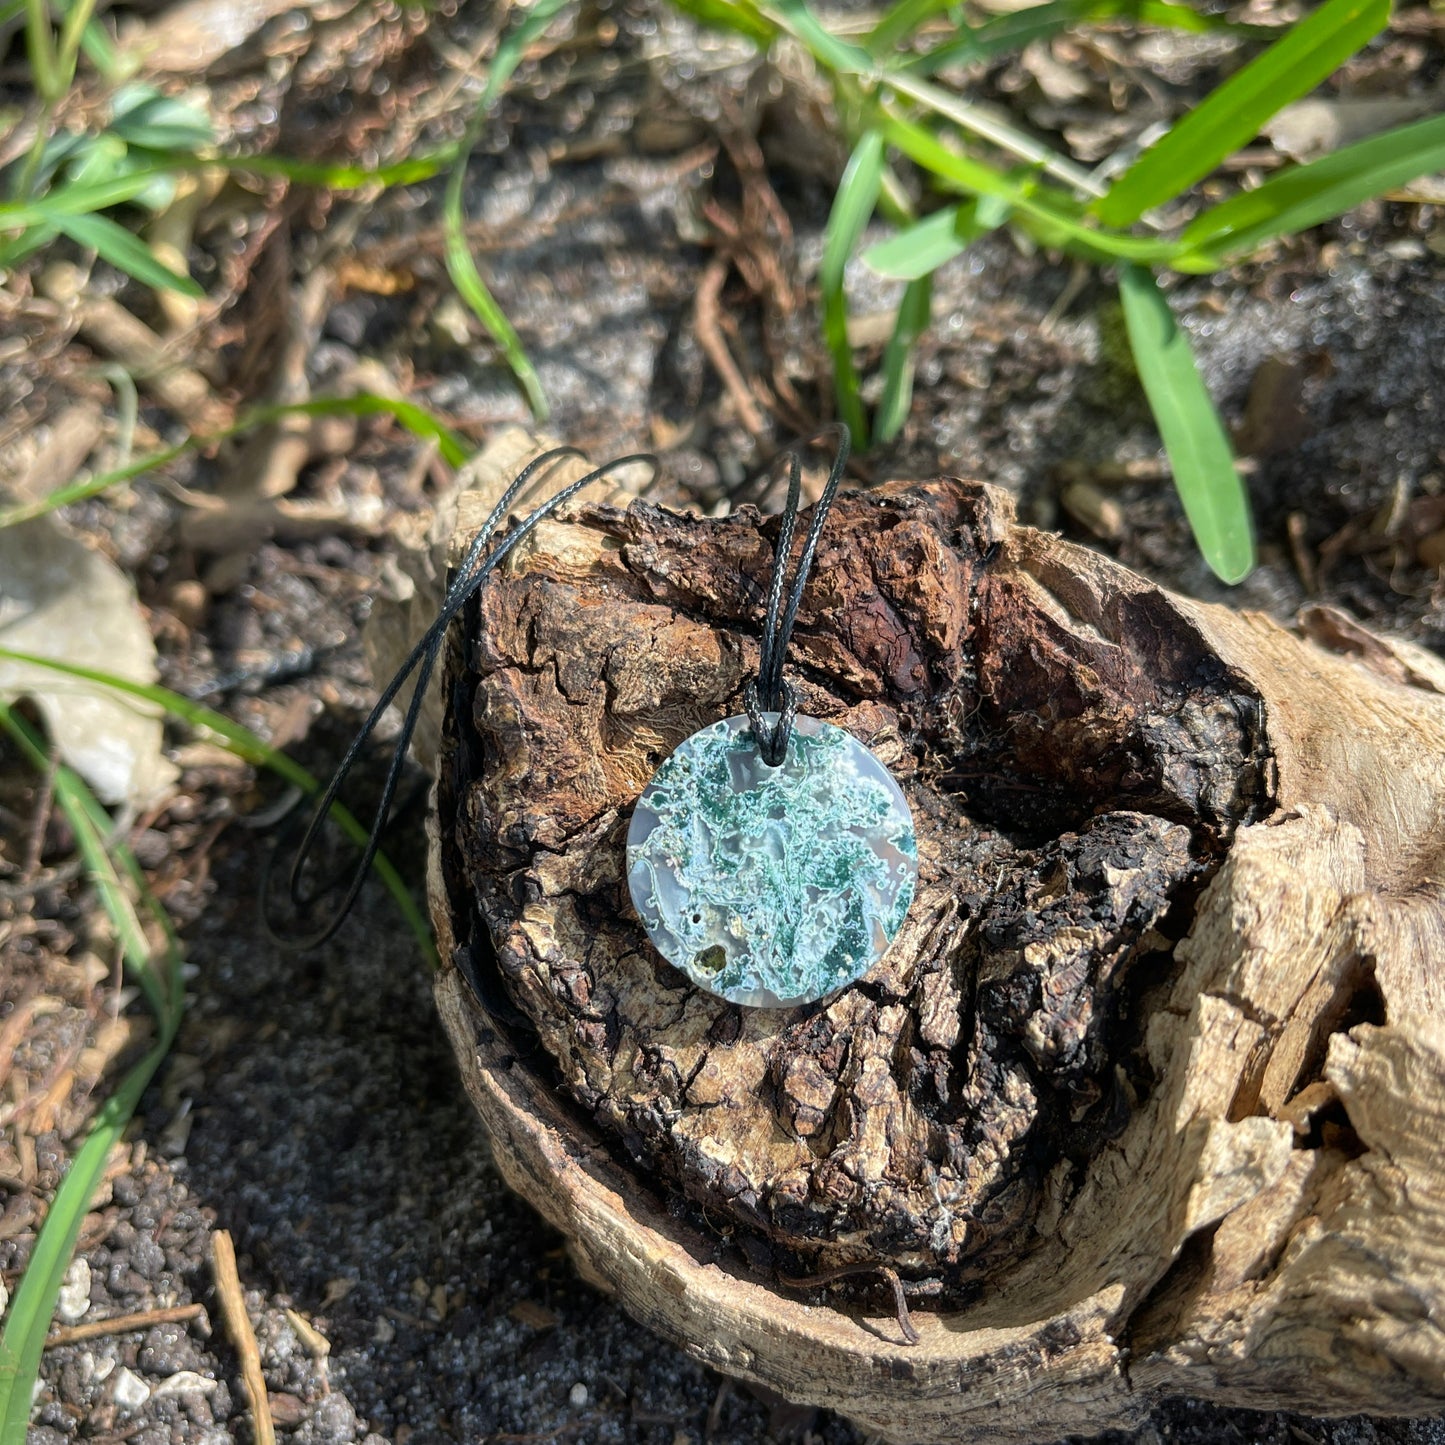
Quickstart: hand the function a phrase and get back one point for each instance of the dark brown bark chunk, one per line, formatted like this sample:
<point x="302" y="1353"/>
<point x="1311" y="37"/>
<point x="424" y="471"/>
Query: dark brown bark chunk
<point x="1075" y="772"/>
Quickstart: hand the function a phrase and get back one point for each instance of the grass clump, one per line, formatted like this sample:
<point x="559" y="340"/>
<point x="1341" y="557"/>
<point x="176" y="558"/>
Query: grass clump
<point x="153" y="960"/>
<point x="944" y="171"/>
<point x="68" y="183"/>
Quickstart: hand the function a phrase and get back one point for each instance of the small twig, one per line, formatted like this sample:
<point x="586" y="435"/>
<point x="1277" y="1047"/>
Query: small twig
<point x="14" y="1029"/>
<point x="35" y="842"/>
<point x="149" y="358"/>
<point x="984" y="123"/>
<point x="243" y="1337"/>
<point x="900" y="1301"/>
<point x="710" y="338"/>
<point x="415" y="1321"/>
<point x="1297" y="529"/>
<point x="123" y="1324"/>
<point x="714" y="1415"/>
<point x="1079" y="276"/>
<point x="59" y="877"/>
<point x="540" y="1437"/>
<point x="74" y="434"/>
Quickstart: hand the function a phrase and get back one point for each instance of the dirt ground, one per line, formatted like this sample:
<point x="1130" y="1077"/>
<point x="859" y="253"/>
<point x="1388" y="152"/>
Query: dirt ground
<point x="311" y="1106"/>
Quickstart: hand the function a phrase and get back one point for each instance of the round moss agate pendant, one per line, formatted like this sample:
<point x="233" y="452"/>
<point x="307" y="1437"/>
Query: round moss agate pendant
<point x="772" y="886"/>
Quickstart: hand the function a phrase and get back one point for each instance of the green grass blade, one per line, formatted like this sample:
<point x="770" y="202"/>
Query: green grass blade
<point x="323" y="173"/>
<point x="1292" y="200"/>
<point x="509" y="54"/>
<point x="836" y="54"/>
<point x="415" y="419"/>
<point x="411" y="417"/>
<point x="22" y="247"/>
<point x="160" y="164"/>
<point x="72" y="31"/>
<point x="1194" y="437"/>
<point x="92" y="825"/>
<point x="1046" y="205"/>
<point x="1232" y="114"/>
<point x="846" y="59"/>
<point x="125" y="252"/>
<point x="921" y="249"/>
<point x="473" y="290"/>
<point x="900" y="21"/>
<point x="96" y="44"/>
<point x="142" y="117"/>
<point x="898" y="358"/>
<point x="33" y="1304"/>
<point x="1164" y="15"/>
<point x="76" y="200"/>
<point x="77" y="16"/>
<point x="251" y="749"/>
<point x="1012" y="32"/>
<point x="731" y="15"/>
<point x="40" y="51"/>
<point x="852" y="206"/>
<point x="1001" y="36"/>
<point x="461" y="265"/>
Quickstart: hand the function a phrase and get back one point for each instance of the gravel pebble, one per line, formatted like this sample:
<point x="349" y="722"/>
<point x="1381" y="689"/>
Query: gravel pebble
<point x="74" y="1298"/>
<point x="129" y="1391"/>
<point x="147" y="1258"/>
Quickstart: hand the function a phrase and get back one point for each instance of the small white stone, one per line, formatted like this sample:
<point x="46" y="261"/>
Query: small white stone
<point x="130" y="1392"/>
<point x="577" y="1396"/>
<point x="74" y="1297"/>
<point x="184" y="1382"/>
<point x="104" y="1368"/>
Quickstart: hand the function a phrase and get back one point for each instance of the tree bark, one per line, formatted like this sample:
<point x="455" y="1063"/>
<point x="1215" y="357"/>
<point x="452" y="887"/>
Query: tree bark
<point x="1147" y="1097"/>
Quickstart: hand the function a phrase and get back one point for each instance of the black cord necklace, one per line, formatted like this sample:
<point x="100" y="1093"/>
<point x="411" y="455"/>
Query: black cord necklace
<point x="476" y="566"/>
<point x="770" y="691"/>
<point x="771" y="858"/>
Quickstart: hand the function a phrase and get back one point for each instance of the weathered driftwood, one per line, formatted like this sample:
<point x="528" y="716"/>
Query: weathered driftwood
<point x="1149" y="1096"/>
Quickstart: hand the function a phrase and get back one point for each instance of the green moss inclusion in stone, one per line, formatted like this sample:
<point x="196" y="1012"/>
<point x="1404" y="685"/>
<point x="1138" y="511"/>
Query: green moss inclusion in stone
<point x="772" y="886"/>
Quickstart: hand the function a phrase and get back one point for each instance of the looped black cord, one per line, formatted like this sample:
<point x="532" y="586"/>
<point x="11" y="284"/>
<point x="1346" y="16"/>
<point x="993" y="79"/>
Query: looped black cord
<point x="474" y="569"/>
<point x="770" y="692"/>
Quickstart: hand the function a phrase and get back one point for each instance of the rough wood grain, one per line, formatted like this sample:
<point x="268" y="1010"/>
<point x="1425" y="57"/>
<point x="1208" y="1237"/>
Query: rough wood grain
<point x="1146" y="1099"/>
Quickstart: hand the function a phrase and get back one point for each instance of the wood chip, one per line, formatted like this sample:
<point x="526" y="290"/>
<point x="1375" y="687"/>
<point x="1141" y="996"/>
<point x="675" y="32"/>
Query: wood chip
<point x="1086" y="504"/>
<point x="534" y="1316"/>
<point x="189" y="37"/>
